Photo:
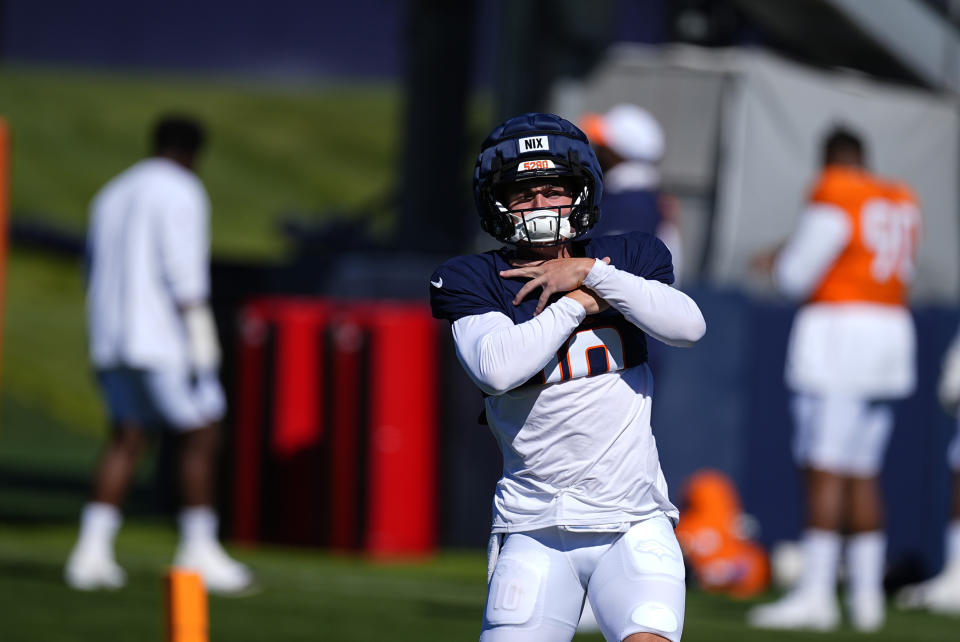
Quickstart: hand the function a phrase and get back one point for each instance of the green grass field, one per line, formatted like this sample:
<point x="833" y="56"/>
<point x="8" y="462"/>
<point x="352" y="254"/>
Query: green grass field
<point x="306" y="595"/>
<point x="315" y="596"/>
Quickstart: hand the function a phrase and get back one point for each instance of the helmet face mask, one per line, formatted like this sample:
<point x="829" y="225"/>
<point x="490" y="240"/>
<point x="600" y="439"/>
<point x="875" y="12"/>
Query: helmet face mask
<point x="537" y="149"/>
<point x="542" y="225"/>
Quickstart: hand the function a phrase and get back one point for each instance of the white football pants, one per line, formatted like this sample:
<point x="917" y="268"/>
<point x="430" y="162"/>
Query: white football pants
<point x="635" y="582"/>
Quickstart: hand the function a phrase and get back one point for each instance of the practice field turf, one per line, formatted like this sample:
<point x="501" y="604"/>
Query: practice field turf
<point x="312" y="596"/>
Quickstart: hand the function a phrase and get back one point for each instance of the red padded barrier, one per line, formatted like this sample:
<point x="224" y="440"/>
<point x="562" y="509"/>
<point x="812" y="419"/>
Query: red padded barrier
<point x="402" y="432"/>
<point x="345" y="401"/>
<point x="248" y="406"/>
<point x="298" y="376"/>
<point x="336" y="425"/>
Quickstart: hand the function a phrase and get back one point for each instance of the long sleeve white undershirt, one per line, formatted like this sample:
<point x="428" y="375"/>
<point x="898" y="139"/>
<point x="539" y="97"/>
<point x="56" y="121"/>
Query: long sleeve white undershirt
<point x="500" y="355"/>
<point x="822" y="233"/>
<point x="663" y="312"/>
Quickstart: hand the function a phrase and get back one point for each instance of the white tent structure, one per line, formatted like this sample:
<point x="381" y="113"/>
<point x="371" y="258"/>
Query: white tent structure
<point x="744" y="131"/>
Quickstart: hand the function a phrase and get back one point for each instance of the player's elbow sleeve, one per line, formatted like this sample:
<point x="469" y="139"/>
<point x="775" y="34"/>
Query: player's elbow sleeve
<point x="684" y="324"/>
<point x="490" y="385"/>
<point x="692" y="331"/>
<point x="498" y="365"/>
<point x="492" y="391"/>
<point x="492" y="381"/>
<point x="790" y="285"/>
<point x="683" y="334"/>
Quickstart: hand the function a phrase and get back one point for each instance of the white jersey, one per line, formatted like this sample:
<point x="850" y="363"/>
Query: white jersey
<point x="602" y="470"/>
<point x="148" y="247"/>
<point x="580" y="452"/>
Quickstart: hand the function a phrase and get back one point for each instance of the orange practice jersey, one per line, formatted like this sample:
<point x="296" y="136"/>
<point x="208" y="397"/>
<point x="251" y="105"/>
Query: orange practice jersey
<point x="877" y="264"/>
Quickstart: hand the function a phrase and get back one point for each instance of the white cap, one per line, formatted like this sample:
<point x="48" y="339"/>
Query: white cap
<point x="630" y="131"/>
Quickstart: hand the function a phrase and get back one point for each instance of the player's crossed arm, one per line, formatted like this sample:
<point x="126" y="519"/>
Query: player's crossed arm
<point x="661" y="311"/>
<point x="556" y="275"/>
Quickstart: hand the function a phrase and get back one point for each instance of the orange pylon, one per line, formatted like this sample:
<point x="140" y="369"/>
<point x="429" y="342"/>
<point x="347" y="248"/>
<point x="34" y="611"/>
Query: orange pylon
<point x="187" y="619"/>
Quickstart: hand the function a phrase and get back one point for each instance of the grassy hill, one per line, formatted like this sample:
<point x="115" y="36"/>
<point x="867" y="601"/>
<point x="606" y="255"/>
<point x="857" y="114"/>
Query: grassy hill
<point x="273" y="149"/>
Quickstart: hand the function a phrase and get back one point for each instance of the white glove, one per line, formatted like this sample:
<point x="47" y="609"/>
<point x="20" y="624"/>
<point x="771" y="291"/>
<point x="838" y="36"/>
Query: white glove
<point x="204" y="348"/>
<point x="948" y="390"/>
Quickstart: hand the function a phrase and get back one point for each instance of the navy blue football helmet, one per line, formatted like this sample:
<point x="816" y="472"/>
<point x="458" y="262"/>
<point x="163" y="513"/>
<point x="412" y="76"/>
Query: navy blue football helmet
<point x="531" y="147"/>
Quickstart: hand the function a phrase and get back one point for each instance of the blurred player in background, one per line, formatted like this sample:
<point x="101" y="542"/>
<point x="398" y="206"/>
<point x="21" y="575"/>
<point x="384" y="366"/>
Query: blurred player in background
<point x="154" y="347"/>
<point x="629" y="144"/>
<point x="941" y="594"/>
<point x="553" y="331"/>
<point x="851" y="349"/>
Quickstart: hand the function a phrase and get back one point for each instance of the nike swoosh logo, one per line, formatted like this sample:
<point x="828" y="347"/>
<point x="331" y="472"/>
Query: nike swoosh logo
<point x="438" y="283"/>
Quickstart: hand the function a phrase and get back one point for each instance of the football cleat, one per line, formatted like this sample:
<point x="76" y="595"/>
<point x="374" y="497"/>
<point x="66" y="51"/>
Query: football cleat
<point x="221" y="573"/>
<point x="868" y="611"/>
<point x="797" y="611"/>
<point x="89" y="570"/>
<point x="940" y="594"/>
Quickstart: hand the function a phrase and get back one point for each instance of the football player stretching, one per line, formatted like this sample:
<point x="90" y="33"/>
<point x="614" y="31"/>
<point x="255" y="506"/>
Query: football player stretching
<point x="552" y="328"/>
